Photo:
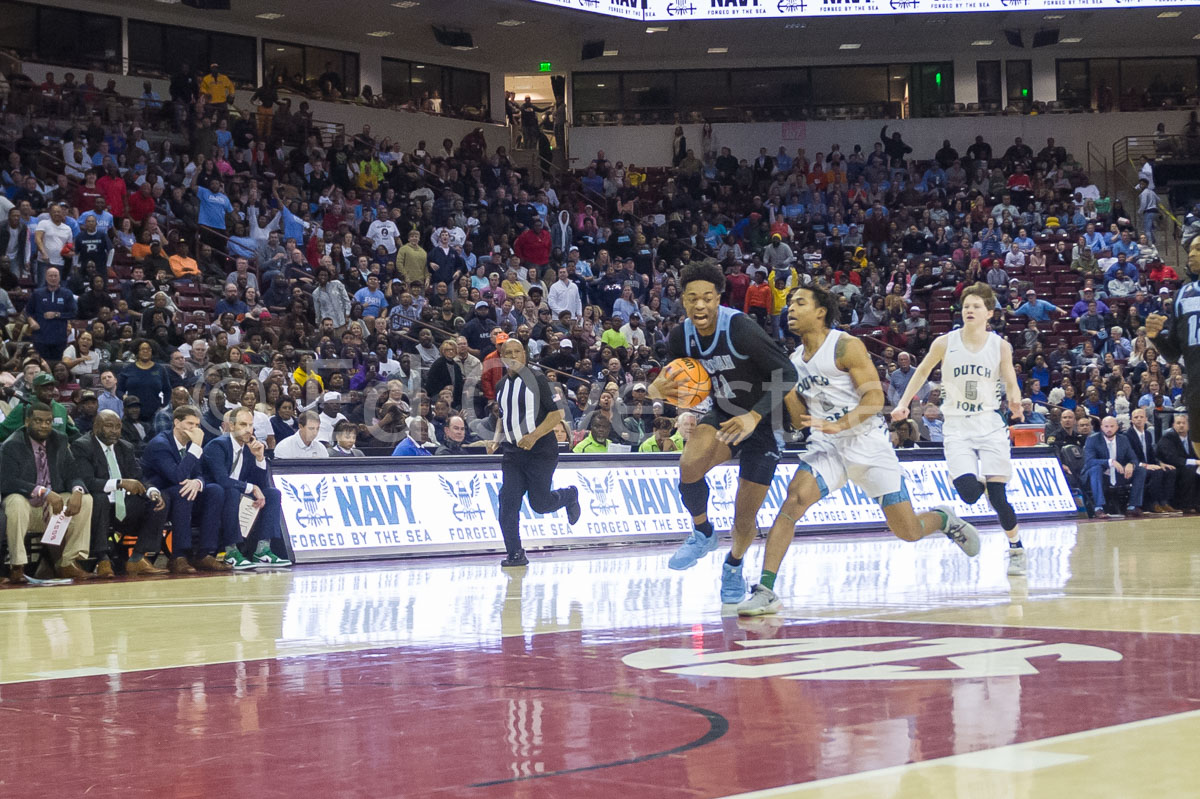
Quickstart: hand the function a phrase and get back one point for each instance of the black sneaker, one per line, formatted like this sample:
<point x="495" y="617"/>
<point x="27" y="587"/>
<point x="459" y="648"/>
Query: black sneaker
<point x="573" y="509"/>
<point x="515" y="559"/>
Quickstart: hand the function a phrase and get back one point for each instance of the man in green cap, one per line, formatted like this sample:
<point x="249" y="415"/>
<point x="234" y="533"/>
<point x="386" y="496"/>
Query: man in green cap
<point x="44" y="390"/>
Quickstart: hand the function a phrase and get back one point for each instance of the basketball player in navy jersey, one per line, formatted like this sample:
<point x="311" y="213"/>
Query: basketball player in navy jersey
<point x="1178" y="336"/>
<point x="750" y="374"/>
<point x="838" y="397"/>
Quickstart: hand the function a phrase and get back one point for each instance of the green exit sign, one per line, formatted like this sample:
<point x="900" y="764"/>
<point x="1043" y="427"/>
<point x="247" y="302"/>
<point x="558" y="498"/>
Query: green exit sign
<point x="545" y="67"/>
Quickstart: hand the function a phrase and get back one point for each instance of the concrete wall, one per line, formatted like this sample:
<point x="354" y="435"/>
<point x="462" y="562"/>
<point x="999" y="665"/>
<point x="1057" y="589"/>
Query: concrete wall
<point x="650" y="145"/>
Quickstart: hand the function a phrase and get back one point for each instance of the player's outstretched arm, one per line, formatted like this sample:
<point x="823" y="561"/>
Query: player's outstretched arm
<point x="797" y="410"/>
<point x="1168" y="335"/>
<point x="937" y="351"/>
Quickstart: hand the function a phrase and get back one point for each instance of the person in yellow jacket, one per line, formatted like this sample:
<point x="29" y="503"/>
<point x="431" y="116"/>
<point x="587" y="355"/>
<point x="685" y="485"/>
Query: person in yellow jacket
<point x="597" y="437"/>
<point x="781" y="287"/>
<point x="663" y="439"/>
<point x="217" y="87"/>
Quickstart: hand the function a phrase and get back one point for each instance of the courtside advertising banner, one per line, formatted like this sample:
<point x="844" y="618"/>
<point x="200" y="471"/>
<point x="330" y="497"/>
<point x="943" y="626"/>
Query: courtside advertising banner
<point x="396" y="507"/>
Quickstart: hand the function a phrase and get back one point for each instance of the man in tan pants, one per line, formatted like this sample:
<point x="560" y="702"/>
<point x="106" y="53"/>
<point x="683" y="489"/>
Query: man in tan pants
<point x="38" y="480"/>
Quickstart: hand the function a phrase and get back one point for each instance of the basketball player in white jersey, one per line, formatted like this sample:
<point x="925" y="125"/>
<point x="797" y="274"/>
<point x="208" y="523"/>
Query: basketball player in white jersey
<point x="976" y="366"/>
<point x="838" y="396"/>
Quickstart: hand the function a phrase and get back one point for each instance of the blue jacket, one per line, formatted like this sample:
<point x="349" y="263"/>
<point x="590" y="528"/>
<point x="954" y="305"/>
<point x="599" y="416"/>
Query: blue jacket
<point x="1095" y="452"/>
<point x="1135" y="444"/>
<point x="410" y="447"/>
<point x="162" y="465"/>
<point x="43" y="300"/>
<point x="218" y="463"/>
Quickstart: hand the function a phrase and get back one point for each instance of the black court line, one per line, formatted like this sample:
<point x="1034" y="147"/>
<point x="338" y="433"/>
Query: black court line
<point x="718" y="725"/>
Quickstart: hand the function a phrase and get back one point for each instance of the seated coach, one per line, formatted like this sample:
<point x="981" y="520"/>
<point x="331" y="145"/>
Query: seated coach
<point x="236" y="461"/>
<point x="171" y="463"/>
<point x="110" y="470"/>
<point x="37" y="473"/>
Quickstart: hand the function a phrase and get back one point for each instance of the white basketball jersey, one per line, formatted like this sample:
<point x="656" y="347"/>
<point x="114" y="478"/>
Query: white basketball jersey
<point x="971" y="380"/>
<point x="827" y="391"/>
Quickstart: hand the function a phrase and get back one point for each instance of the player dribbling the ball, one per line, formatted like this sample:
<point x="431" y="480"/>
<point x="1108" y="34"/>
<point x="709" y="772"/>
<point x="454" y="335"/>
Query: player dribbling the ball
<point x="750" y="374"/>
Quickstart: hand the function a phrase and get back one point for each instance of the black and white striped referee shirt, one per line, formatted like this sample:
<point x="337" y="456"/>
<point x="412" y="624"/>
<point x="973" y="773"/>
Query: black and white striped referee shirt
<point x="525" y="401"/>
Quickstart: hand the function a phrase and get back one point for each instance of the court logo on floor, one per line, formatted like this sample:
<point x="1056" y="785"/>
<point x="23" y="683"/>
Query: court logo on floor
<point x="869" y="658"/>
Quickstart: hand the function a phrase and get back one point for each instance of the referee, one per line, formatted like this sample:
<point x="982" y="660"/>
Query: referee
<point x="525" y="436"/>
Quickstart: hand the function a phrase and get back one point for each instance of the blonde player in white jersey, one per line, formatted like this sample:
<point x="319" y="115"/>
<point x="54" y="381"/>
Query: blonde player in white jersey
<point x="976" y="366"/>
<point x="838" y="395"/>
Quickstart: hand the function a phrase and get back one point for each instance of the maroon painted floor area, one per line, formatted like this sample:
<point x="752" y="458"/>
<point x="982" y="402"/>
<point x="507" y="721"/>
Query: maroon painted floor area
<point x="557" y="715"/>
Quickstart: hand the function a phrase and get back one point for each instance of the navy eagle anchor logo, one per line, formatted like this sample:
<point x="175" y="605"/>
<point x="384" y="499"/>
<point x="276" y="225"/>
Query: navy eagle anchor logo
<point x="603" y="502"/>
<point x="311" y="501"/>
<point x="464" y="494"/>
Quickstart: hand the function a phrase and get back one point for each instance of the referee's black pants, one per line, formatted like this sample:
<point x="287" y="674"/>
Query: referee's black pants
<point x="527" y="472"/>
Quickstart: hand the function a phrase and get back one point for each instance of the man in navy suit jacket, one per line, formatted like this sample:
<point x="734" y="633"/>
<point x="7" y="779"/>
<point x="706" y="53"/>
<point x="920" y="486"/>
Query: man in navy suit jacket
<point x="171" y="463"/>
<point x="236" y="461"/>
<point x="1108" y="458"/>
<point x="1160" y="477"/>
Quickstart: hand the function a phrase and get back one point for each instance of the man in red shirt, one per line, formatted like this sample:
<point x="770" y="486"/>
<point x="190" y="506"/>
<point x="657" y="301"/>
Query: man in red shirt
<point x="112" y="187"/>
<point x="736" y="284"/>
<point x="86" y="195"/>
<point x="759" y="299"/>
<point x="533" y="246"/>
<point x="141" y="203"/>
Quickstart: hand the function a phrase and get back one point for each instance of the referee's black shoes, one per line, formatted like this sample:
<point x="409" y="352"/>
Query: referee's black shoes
<point x="573" y="509"/>
<point x="515" y="559"/>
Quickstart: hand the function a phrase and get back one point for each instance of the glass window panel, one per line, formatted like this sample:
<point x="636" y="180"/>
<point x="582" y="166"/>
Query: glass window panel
<point x="235" y="54"/>
<point x="395" y="81"/>
<point x="427" y="79"/>
<point x="185" y="46"/>
<point x="145" y="48"/>
<point x="1019" y="80"/>
<point x="468" y="89"/>
<point x="1105" y="76"/>
<point x="350" y="72"/>
<point x="850" y="85"/>
<point x="1072" y="83"/>
<point x="756" y="87"/>
<point x="987" y="81"/>
<point x="596" y="91"/>
<point x="99" y="41"/>
<point x="320" y="62"/>
<point x="1156" y="82"/>
<point x="702" y="89"/>
<point x="646" y="90"/>
<point x="18" y="27"/>
<point x="281" y="58"/>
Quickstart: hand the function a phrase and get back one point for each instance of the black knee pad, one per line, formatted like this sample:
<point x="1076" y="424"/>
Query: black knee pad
<point x="998" y="496"/>
<point x="969" y="488"/>
<point x="695" y="496"/>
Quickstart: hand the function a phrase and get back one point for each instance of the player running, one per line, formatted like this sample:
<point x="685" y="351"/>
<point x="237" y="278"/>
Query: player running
<point x="976" y="367"/>
<point x="838" y="396"/>
<point x="750" y="374"/>
<point x="1178" y="336"/>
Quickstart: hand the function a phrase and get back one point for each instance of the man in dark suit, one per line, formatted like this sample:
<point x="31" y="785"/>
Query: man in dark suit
<point x="1109" y="460"/>
<point x="1175" y="450"/>
<point x="171" y="463"/>
<point x="110" y="470"/>
<point x="38" y="475"/>
<point x="236" y="461"/>
<point x="1160" y="478"/>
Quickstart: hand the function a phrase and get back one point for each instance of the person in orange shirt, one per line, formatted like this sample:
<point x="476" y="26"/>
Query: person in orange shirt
<point x="141" y="249"/>
<point x="183" y="265"/>
<point x="759" y="299"/>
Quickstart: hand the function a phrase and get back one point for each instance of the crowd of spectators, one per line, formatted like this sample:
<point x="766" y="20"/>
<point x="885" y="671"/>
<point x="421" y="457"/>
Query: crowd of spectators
<point x="350" y="293"/>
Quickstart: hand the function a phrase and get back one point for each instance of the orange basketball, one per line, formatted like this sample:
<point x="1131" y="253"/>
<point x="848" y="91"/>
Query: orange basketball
<point x="692" y="383"/>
